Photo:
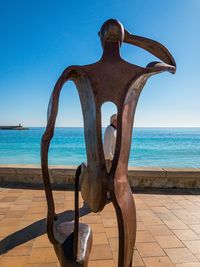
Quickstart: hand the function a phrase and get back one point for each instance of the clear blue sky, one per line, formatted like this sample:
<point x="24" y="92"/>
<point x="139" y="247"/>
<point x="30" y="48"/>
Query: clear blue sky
<point x="40" y="38"/>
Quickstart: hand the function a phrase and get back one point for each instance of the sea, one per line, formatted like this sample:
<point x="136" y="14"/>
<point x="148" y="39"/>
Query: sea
<point x="163" y="147"/>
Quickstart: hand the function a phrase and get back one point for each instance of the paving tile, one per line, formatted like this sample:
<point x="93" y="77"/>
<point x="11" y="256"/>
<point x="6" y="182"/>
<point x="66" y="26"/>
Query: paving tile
<point x="180" y="255"/>
<point x="106" y="214"/>
<point x="54" y="264"/>
<point x="149" y="249"/>
<point x="25" y="223"/>
<point x="186" y="235"/>
<point x="14" y="213"/>
<point x="172" y="206"/>
<point x="7" y="230"/>
<point x="7" y="205"/>
<point x="142" y="206"/>
<point x="93" y="264"/>
<point x="100" y="239"/>
<point x="188" y="205"/>
<point x="111" y="231"/>
<point x="195" y="228"/>
<point x="9" y="222"/>
<point x="141" y="226"/>
<point x="8" y="199"/>
<point x="42" y="242"/>
<point x="193" y="246"/>
<point x="40" y="204"/>
<point x="15" y="261"/>
<point x="160" y="210"/>
<point x="137" y="260"/>
<point x="109" y="206"/>
<point x="197" y="256"/>
<point x="91" y="219"/>
<point x="101" y="252"/>
<point x="149" y="218"/>
<point x="115" y="257"/>
<point x="169" y="241"/>
<point x="185" y="216"/>
<point x="159" y="230"/>
<point x="109" y="223"/>
<point x="43" y="255"/>
<point x="3" y="210"/>
<point x="114" y="243"/>
<point x="196" y="214"/>
<point x="22" y="250"/>
<point x="105" y="263"/>
<point x="191" y="264"/>
<point x="144" y="236"/>
<point x="158" y="262"/>
<point x="17" y="207"/>
<point x="175" y="224"/>
<point x="32" y="217"/>
<point x="98" y="228"/>
<point x="59" y="207"/>
<point x="37" y="210"/>
<point x="138" y="218"/>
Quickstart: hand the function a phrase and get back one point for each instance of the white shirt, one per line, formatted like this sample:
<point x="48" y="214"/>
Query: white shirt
<point x="109" y="142"/>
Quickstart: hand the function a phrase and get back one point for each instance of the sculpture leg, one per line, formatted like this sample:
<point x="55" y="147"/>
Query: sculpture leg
<point x="126" y="217"/>
<point x="120" y="189"/>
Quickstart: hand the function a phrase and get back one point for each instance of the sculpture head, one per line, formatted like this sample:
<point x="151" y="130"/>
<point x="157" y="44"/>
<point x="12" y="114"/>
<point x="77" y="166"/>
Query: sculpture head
<point x="111" y="31"/>
<point x="113" y="120"/>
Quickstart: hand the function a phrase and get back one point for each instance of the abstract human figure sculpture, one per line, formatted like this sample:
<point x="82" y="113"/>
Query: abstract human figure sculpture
<point x="115" y="80"/>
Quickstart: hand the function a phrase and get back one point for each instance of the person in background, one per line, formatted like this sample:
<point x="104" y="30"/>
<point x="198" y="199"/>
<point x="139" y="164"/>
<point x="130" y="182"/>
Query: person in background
<point x="110" y="141"/>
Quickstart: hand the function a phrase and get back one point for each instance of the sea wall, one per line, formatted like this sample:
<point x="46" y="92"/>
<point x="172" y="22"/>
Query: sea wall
<point x="139" y="177"/>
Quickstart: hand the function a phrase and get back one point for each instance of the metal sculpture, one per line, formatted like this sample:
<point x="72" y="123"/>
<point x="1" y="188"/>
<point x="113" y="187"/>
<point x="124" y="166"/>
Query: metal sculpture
<point x="115" y="80"/>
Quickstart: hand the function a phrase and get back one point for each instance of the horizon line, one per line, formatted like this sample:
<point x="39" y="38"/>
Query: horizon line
<point x="133" y="126"/>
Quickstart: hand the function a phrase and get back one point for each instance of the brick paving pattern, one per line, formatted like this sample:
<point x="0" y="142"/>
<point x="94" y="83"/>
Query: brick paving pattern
<point x="168" y="230"/>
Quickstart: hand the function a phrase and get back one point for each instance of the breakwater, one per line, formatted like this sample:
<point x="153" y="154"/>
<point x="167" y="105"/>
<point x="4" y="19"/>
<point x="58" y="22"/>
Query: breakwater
<point x="139" y="177"/>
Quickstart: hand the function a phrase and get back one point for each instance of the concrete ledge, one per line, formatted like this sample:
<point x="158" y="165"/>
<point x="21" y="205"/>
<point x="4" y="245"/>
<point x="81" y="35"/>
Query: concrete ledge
<point x="139" y="177"/>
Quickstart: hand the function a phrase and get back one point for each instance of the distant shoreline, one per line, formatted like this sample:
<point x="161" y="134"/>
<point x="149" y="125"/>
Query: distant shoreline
<point x="14" y="127"/>
<point x="140" y="127"/>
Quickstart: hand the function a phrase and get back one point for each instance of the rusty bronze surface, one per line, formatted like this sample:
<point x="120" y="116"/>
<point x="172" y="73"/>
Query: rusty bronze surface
<point x="115" y="80"/>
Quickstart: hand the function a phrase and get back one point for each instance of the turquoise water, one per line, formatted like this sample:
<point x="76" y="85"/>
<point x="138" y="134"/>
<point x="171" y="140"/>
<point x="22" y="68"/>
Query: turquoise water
<point x="165" y="147"/>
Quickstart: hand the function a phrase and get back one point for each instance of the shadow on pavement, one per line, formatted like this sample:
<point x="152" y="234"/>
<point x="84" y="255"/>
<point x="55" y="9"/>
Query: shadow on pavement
<point x="36" y="229"/>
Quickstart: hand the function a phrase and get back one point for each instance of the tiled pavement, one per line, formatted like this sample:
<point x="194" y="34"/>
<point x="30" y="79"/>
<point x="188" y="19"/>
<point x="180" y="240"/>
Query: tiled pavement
<point x="168" y="230"/>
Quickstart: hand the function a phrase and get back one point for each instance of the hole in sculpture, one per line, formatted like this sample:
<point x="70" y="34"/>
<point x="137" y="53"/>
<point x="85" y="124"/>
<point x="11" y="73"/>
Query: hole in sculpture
<point x="68" y="144"/>
<point x="141" y="56"/>
<point x="109" y="131"/>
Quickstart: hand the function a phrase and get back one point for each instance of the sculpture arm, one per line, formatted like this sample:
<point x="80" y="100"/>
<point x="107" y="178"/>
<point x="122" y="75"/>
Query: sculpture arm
<point x="155" y="48"/>
<point x="46" y="139"/>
